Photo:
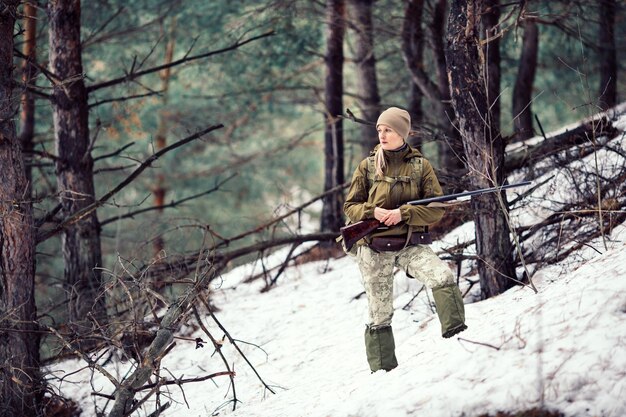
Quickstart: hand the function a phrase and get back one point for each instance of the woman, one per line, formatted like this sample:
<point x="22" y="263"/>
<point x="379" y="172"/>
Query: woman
<point x="393" y="174"/>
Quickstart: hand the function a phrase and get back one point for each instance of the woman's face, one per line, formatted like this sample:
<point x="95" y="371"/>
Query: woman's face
<point x="388" y="138"/>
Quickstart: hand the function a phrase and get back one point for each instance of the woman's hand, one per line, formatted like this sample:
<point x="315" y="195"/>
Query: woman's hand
<point x="388" y="217"/>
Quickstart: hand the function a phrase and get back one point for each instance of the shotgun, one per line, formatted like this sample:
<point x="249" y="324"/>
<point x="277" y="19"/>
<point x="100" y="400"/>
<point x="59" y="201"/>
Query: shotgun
<point x="357" y="231"/>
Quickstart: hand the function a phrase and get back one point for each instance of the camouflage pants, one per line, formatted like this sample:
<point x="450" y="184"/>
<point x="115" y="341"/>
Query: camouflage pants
<point x="418" y="262"/>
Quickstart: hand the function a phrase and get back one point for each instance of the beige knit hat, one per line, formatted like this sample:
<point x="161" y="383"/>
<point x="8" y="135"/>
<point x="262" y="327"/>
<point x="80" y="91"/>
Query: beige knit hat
<point x="397" y="119"/>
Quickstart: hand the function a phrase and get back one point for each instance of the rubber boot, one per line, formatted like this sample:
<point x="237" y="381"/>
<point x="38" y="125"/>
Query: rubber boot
<point x="450" y="309"/>
<point x="380" y="348"/>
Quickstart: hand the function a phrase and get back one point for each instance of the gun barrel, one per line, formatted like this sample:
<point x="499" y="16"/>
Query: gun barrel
<point x="467" y="194"/>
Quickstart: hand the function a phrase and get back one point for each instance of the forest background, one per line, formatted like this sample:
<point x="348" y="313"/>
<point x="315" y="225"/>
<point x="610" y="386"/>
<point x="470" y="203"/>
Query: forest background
<point x="257" y="78"/>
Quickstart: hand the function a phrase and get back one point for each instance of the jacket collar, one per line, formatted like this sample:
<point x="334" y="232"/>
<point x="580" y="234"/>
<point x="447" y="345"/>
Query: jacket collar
<point x="411" y="152"/>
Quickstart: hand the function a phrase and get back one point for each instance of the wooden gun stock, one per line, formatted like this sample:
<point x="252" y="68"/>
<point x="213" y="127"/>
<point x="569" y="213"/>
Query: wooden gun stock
<point x="355" y="232"/>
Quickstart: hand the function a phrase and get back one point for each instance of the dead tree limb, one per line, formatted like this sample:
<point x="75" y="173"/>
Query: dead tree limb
<point x="296" y="258"/>
<point x="114" y="153"/>
<point x="133" y="75"/>
<point x="124" y="98"/>
<point x="558" y="143"/>
<point x="80" y="214"/>
<point x="185" y="264"/>
<point x="181" y="381"/>
<point x="218" y="348"/>
<point x="173" y="203"/>
<point x="460" y="339"/>
<point x="232" y="341"/>
<point x="175" y="315"/>
<point x="84" y="356"/>
<point x="278" y="219"/>
<point x="283" y="266"/>
<point x="241" y="160"/>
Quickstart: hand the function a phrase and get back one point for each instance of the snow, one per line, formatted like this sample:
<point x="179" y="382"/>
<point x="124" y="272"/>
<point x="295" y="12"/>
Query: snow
<point x="563" y="347"/>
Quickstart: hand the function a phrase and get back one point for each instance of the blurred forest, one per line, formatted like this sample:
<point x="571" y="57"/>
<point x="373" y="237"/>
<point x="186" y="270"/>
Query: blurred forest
<point x="248" y="86"/>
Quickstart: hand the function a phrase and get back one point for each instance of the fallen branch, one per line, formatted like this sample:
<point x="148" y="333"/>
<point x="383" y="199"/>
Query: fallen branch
<point x="185" y="264"/>
<point x="233" y="342"/>
<point x="557" y="143"/>
<point x="282" y="268"/>
<point x="278" y="219"/>
<point x="218" y="348"/>
<point x="114" y="153"/>
<point x="182" y="381"/>
<point x="406" y="306"/>
<point x="460" y="339"/>
<point x="175" y="315"/>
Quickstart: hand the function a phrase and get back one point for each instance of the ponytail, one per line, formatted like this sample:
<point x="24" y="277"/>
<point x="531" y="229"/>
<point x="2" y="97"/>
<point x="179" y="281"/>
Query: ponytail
<point x="379" y="159"/>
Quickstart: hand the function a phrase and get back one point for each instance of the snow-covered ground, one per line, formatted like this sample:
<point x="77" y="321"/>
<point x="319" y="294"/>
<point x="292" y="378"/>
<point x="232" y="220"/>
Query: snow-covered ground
<point x="561" y="348"/>
<point x="564" y="348"/>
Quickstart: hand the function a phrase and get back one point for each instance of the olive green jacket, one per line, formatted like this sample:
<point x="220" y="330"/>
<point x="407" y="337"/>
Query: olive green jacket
<point x="393" y="191"/>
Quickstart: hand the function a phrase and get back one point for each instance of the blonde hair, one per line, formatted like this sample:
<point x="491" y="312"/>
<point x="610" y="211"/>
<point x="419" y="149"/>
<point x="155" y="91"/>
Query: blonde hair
<point x="379" y="159"/>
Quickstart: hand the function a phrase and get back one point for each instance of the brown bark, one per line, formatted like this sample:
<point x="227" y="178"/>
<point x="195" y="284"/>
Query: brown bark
<point x="74" y="166"/>
<point x="413" y="54"/>
<point x="491" y="50"/>
<point x="19" y="344"/>
<point x="332" y="210"/>
<point x="484" y="151"/>
<point x="159" y="190"/>
<point x="27" y="115"/>
<point x="438" y="90"/>
<point x="608" y="55"/>
<point x="366" y="71"/>
<point x="522" y="92"/>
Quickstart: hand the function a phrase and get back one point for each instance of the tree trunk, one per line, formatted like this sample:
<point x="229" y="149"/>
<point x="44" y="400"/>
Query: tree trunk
<point x="491" y="51"/>
<point x="19" y="343"/>
<point x="522" y="92"/>
<point x="484" y="148"/>
<point x="332" y="210"/>
<point x="608" y="55"/>
<point x="159" y="189"/>
<point x="74" y="167"/>
<point x="413" y="54"/>
<point x="450" y="146"/>
<point x="27" y="115"/>
<point x="366" y="71"/>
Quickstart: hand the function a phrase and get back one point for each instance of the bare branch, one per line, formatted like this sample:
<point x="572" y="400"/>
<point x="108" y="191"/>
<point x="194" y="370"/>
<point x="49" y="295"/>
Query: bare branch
<point x="133" y="75"/>
<point x="80" y="214"/>
<point x="218" y="348"/>
<point x="233" y="342"/>
<point x="126" y="98"/>
<point x="160" y="345"/>
<point x="172" y="204"/>
<point x="264" y="226"/>
<point x="114" y="153"/>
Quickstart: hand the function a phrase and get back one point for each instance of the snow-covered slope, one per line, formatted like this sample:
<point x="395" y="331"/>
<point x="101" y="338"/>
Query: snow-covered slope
<point x="562" y="348"/>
